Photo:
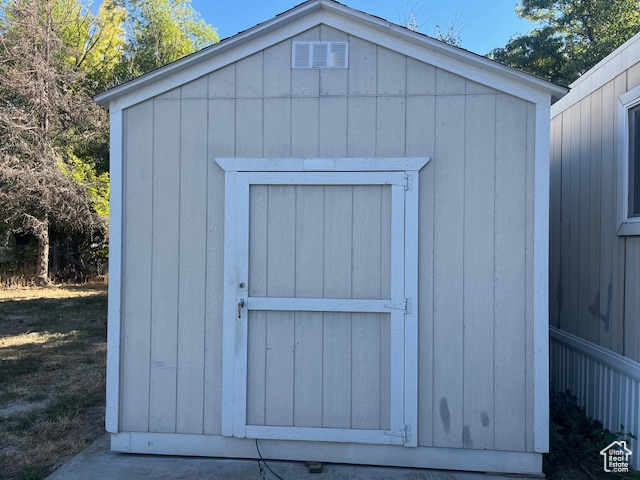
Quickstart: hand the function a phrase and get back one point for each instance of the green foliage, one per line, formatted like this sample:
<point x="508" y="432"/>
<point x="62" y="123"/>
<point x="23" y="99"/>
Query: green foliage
<point x="54" y="56"/>
<point x="572" y="36"/>
<point x="160" y="32"/>
<point x="97" y="185"/>
<point x="573" y="436"/>
<point x="96" y="42"/>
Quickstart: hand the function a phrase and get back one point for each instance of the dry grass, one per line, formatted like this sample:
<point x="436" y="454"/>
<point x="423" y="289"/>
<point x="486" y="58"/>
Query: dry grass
<point x="52" y="363"/>
<point x="55" y="291"/>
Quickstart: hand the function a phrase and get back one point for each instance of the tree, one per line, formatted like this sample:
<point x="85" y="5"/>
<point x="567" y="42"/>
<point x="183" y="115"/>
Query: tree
<point x="161" y="31"/>
<point x="96" y="43"/>
<point x="448" y="33"/>
<point x="46" y="116"/>
<point x="572" y="37"/>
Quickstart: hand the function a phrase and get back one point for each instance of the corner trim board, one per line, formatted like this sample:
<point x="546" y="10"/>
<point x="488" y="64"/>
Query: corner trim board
<point x="541" y="282"/>
<point x="112" y="412"/>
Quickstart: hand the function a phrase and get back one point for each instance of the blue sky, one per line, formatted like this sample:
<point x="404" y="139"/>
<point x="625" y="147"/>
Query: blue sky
<point x="485" y="24"/>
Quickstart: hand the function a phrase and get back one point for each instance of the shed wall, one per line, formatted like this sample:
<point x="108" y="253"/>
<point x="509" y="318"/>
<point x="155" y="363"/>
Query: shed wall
<point x="594" y="276"/>
<point x="475" y="238"/>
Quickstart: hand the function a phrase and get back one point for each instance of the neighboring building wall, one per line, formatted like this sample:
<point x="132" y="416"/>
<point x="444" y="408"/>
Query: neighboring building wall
<point x="476" y="230"/>
<point x="594" y="274"/>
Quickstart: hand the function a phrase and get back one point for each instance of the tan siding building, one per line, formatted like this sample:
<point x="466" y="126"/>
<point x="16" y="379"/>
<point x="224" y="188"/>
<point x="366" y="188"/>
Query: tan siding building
<point x="595" y="243"/>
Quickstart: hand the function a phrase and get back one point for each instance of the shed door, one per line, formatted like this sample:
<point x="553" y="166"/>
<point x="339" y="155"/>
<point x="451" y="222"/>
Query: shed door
<point x="315" y="264"/>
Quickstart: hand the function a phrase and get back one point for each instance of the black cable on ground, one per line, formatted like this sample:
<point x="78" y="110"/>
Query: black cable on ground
<point x="266" y="464"/>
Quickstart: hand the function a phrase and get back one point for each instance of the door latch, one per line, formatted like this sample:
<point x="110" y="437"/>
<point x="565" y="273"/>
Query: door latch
<point x="240" y="305"/>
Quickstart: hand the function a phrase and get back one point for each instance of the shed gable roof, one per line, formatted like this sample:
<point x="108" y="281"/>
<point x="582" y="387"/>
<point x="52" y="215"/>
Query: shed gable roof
<point x="329" y="12"/>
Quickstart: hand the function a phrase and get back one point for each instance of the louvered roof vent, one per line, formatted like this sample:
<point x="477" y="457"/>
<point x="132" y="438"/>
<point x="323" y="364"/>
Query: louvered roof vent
<point x="320" y="55"/>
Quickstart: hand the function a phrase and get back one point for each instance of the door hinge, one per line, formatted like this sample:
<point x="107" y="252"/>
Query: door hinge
<point x="407" y="181"/>
<point x="407" y="433"/>
<point x="404" y="306"/>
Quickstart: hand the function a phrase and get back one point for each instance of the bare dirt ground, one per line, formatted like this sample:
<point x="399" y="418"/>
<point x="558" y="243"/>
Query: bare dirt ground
<point x="52" y="376"/>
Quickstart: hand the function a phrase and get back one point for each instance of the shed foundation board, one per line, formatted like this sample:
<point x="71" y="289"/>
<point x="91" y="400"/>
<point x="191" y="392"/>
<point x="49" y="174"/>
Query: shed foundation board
<point x="420" y="457"/>
<point x="99" y="463"/>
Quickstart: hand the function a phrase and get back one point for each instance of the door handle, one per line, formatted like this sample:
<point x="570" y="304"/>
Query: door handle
<point x="240" y="305"/>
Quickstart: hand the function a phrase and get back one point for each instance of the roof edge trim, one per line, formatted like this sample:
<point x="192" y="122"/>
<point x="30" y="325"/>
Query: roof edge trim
<point x="607" y="69"/>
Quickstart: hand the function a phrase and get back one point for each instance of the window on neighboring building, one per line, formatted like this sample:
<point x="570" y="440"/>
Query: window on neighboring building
<point x="628" y="182"/>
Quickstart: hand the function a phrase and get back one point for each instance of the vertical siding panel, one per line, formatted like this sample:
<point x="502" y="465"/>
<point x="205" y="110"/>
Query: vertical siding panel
<point x="584" y="162"/>
<point x="473" y="87"/>
<point x="565" y="214"/>
<point x="304" y="127"/>
<point x="555" y="225"/>
<point x="280" y="325"/>
<point x="595" y="298"/>
<point x="333" y="81"/>
<point x="249" y="76"/>
<point x="478" y="270"/>
<point x="333" y="127"/>
<point x="633" y="76"/>
<point x="390" y="127"/>
<point x="385" y="320"/>
<point x="222" y="83"/>
<point x="306" y="81"/>
<point x="607" y="215"/>
<point x="256" y="367"/>
<point x="361" y="140"/>
<point x="448" y="264"/>
<point x="164" y="282"/>
<point x="249" y="125"/>
<point x="221" y="143"/>
<point x="309" y="224"/>
<point x="420" y="141"/>
<point x="529" y="274"/>
<point x="421" y="77"/>
<point x="277" y="127"/>
<point x="365" y="400"/>
<point x="195" y="89"/>
<point x="509" y="274"/>
<point x="191" y="290"/>
<point x="173" y="94"/>
<point x="362" y="67"/>
<point x="138" y="190"/>
<point x="447" y="82"/>
<point x="336" y="361"/>
<point x="391" y="72"/>
<point x="573" y="194"/>
<point x="279" y="368"/>
<point x="257" y="285"/>
<point x="307" y="394"/>
<point x="277" y="70"/>
<point x="258" y="228"/>
<point x="617" y="311"/>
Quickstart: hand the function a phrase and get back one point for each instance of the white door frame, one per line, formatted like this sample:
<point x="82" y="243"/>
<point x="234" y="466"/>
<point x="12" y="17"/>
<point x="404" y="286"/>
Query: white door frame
<point x="402" y="175"/>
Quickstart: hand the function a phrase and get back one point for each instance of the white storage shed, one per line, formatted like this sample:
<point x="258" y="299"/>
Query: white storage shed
<point x="329" y="235"/>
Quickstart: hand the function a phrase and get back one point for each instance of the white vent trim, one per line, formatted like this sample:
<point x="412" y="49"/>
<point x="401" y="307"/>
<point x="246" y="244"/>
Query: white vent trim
<point x="320" y="55"/>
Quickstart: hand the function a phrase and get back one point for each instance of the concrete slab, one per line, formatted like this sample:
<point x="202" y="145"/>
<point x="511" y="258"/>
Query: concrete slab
<point x="98" y="462"/>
